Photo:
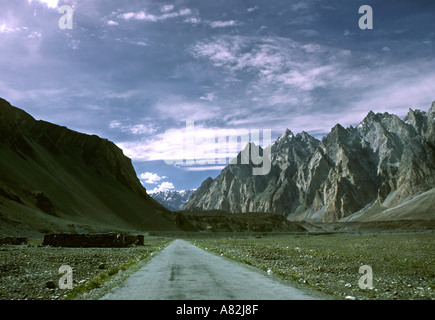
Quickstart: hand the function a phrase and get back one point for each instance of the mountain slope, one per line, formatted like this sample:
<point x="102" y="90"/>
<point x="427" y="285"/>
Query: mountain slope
<point x="382" y="163"/>
<point x="57" y="180"/>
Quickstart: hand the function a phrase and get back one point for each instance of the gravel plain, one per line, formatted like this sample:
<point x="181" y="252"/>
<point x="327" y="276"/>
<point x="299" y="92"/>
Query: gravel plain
<point x="31" y="272"/>
<point x="403" y="266"/>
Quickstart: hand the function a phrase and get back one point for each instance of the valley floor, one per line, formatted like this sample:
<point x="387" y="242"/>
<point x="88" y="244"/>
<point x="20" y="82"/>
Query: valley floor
<point x="31" y="272"/>
<point x="403" y="265"/>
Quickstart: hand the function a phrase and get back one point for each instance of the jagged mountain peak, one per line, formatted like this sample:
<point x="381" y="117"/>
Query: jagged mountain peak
<point x="371" y="114"/>
<point x="208" y="180"/>
<point x="291" y="148"/>
<point x="288" y="137"/>
<point x="418" y="119"/>
<point x="304" y="135"/>
<point x="288" y="134"/>
<point x="339" y="128"/>
<point x="377" y="117"/>
<point x="383" y="124"/>
<point x="338" y="135"/>
<point x="245" y="155"/>
<point x="381" y="162"/>
<point x="431" y="112"/>
<point x="372" y="117"/>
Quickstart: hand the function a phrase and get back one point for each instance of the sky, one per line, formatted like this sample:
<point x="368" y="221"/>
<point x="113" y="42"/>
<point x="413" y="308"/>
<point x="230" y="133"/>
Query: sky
<point x="150" y="75"/>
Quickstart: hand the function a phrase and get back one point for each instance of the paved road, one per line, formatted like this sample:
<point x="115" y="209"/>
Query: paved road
<point x="183" y="271"/>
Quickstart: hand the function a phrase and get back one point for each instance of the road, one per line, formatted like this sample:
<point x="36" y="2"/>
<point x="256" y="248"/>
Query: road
<point x="183" y="271"/>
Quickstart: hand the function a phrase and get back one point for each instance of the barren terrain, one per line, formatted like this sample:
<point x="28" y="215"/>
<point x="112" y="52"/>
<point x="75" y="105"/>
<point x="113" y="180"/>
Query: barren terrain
<point x="30" y="272"/>
<point x="403" y="264"/>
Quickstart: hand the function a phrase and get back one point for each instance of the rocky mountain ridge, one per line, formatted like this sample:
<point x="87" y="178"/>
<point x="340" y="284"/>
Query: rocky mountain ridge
<point x="352" y="173"/>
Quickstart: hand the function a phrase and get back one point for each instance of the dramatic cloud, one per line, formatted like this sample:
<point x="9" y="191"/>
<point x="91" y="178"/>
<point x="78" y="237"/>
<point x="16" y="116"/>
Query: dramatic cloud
<point x="208" y="97"/>
<point x="223" y="24"/>
<point x="143" y="15"/>
<point x="279" y="61"/>
<point x="195" y="147"/>
<point x="48" y="3"/>
<point x="136" y="129"/>
<point x="289" y="73"/>
<point x="162" y="187"/>
<point x="131" y="71"/>
<point x="167" y="8"/>
<point x="151" y="178"/>
<point x="112" y="23"/>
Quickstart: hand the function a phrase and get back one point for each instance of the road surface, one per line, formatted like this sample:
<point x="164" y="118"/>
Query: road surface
<point x="183" y="271"/>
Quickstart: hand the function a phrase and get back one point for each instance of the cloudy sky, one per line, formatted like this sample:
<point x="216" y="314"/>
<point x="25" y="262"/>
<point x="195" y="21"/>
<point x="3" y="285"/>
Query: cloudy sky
<point x="131" y="70"/>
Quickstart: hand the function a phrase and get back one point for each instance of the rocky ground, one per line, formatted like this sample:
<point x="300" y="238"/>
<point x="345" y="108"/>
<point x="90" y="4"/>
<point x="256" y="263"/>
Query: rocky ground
<point x="403" y="266"/>
<point x="31" y="272"/>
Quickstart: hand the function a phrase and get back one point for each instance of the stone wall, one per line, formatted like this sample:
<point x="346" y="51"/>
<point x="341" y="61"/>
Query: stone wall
<point x="110" y="240"/>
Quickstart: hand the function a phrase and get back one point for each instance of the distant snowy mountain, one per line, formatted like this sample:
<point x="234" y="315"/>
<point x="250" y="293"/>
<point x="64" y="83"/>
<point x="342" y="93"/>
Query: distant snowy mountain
<point x="173" y="199"/>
